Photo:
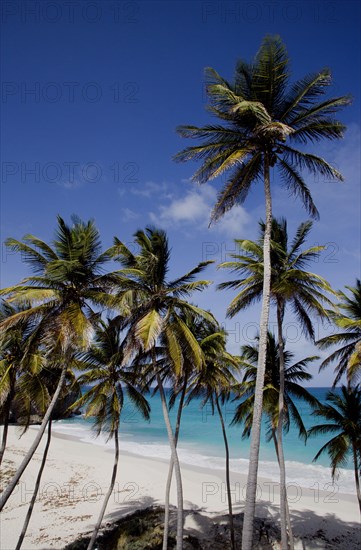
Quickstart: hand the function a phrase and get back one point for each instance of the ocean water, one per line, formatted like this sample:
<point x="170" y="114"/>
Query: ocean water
<point x="201" y="443"/>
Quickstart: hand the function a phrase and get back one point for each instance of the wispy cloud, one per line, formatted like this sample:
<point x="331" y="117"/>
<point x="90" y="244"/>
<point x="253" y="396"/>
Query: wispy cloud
<point x="147" y="190"/>
<point x="129" y="215"/>
<point x="192" y="211"/>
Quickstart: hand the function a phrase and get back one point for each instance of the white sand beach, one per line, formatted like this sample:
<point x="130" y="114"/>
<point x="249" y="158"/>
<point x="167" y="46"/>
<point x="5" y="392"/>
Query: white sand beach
<point x="77" y="475"/>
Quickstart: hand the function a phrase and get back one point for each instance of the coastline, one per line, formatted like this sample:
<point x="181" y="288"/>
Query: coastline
<point x="77" y="475"/>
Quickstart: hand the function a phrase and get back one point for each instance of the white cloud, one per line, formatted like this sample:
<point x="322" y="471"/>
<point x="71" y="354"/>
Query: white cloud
<point x="193" y="211"/>
<point x="149" y="189"/>
<point x="129" y="215"/>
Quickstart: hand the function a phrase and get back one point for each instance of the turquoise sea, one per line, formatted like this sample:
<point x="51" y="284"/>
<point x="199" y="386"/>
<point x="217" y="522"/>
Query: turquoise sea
<point x="201" y="442"/>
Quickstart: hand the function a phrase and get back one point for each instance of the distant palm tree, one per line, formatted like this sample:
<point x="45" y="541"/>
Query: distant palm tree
<point x="214" y="382"/>
<point x="68" y="280"/>
<point x="346" y="316"/>
<point x="291" y="285"/>
<point x="343" y="413"/>
<point x="110" y="380"/>
<point x="261" y="118"/>
<point x="295" y="375"/>
<point x="155" y="307"/>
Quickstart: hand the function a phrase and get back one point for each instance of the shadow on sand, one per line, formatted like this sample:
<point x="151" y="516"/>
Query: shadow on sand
<point x="138" y="525"/>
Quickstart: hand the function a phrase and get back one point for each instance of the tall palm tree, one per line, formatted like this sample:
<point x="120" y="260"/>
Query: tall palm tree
<point x="342" y="411"/>
<point x="214" y="382"/>
<point x="261" y="118"/>
<point x="179" y="389"/>
<point x="68" y="280"/>
<point x="295" y="376"/>
<point x="44" y="383"/>
<point x="346" y="316"/>
<point x="157" y="308"/>
<point x="291" y="285"/>
<point x="110" y="379"/>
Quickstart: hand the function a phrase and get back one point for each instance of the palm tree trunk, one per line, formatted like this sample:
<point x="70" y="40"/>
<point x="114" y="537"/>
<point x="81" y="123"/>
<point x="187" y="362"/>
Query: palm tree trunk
<point x="288" y="517"/>
<point x="174" y="457"/>
<point x="6" y="426"/>
<point x="357" y="478"/>
<point x="231" y="526"/>
<point x="107" y="496"/>
<point x="36" y="490"/>
<point x="13" y="482"/>
<point x="171" y="466"/>
<point x="7" y="408"/>
<point x="281" y="458"/>
<point x="247" y="533"/>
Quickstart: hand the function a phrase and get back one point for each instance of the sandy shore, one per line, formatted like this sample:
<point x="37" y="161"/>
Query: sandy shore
<point x="77" y="475"/>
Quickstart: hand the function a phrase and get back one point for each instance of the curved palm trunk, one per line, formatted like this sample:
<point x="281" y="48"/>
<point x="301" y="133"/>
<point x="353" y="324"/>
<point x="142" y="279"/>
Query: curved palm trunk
<point x="36" y="490"/>
<point x="288" y="517"/>
<point x="107" y="496"/>
<point x="13" y="482"/>
<point x="247" y="533"/>
<point x="357" y="478"/>
<point x="281" y="458"/>
<point x="176" y="465"/>
<point x="171" y="466"/>
<point x="230" y="511"/>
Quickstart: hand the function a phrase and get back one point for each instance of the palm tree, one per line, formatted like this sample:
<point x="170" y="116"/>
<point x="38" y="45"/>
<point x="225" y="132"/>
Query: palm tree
<point x="157" y="306"/>
<point x="68" y="279"/>
<point x="261" y="118"/>
<point x="214" y="382"/>
<point x="346" y="316"/>
<point x="342" y="411"/>
<point x="110" y="379"/>
<point x="290" y="284"/>
<point x="179" y="389"/>
<point x="295" y="376"/>
<point x="12" y="347"/>
<point x="21" y="367"/>
<point x="42" y="384"/>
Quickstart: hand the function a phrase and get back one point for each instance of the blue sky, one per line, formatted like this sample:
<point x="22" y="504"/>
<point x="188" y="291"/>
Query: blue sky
<point x="92" y="93"/>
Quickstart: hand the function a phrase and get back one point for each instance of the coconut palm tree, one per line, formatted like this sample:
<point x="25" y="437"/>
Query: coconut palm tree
<point x="201" y="329"/>
<point x="68" y="280"/>
<point x="12" y="359"/>
<point x="110" y="379"/>
<point x="214" y="382"/>
<point x="22" y="389"/>
<point x="346" y="316"/>
<point x="342" y="411"/>
<point x="179" y="387"/>
<point x="262" y="118"/>
<point x="157" y="308"/>
<point x="291" y="285"/>
<point x="295" y="376"/>
<point x="43" y="384"/>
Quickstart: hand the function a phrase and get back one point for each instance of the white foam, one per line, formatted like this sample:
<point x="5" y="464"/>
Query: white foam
<point x="305" y="475"/>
